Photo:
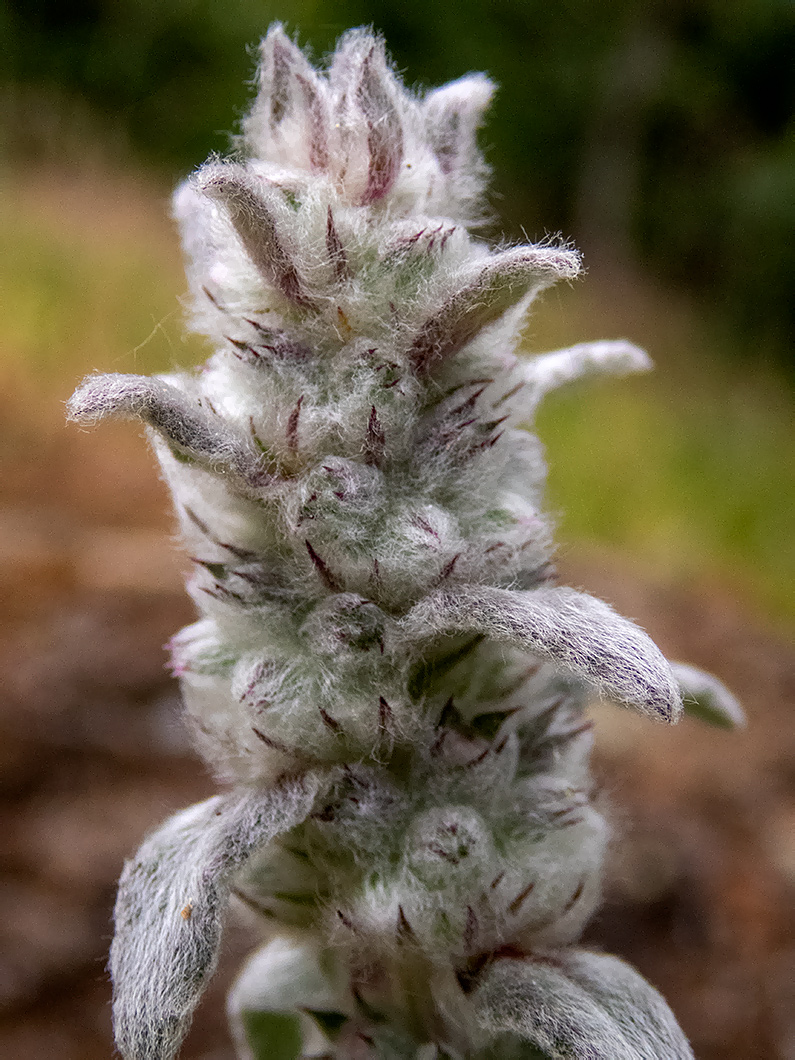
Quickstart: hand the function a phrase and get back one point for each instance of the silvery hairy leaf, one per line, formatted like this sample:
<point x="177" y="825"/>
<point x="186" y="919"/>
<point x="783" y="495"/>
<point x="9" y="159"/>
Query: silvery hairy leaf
<point x="253" y="206"/>
<point x="170" y="906"/>
<point x="576" y="1005"/>
<point x="707" y="698"/>
<point x="481" y="299"/>
<point x="191" y="432"/>
<point x="454" y="112"/>
<point x="377" y="99"/>
<point x="580" y="633"/>
<point x="549" y="371"/>
<point x="368" y="106"/>
<point x="289" y="119"/>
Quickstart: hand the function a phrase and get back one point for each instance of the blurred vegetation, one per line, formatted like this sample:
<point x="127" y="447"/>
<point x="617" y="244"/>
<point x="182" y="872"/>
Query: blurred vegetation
<point x="658" y="136"/>
<point x="656" y="130"/>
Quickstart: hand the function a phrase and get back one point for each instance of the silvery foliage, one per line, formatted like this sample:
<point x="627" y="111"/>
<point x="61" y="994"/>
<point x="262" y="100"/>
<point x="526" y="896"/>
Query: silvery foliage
<point x="383" y="672"/>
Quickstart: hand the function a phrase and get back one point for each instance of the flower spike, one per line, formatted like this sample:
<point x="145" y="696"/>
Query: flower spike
<point x="383" y="673"/>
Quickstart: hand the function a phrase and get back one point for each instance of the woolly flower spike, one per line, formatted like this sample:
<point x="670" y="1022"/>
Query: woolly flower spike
<point x="381" y="670"/>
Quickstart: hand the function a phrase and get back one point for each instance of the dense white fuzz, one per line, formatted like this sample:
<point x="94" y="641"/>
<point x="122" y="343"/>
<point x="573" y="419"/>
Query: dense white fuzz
<point x="193" y="433"/>
<point x="576" y="1005"/>
<point x="548" y="371"/>
<point x="288" y="123"/>
<point x="483" y="295"/>
<point x="453" y="114"/>
<point x="170" y="907"/>
<point x="582" y="634"/>
<point x="381" y="668"/>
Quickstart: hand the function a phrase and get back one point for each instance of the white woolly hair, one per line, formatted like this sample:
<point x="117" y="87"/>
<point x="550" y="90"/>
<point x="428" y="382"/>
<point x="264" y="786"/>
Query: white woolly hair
<point x="383" y="668"/>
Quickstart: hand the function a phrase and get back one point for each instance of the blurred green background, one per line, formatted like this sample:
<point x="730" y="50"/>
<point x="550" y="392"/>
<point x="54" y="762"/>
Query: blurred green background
<point x="658" y="136"/>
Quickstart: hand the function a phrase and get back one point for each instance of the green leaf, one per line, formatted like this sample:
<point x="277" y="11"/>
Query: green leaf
<point x="330" y="1023"/>
<point x="273" y="1035"/>
<point x="286" y="993"/>
<point x="488" y="725"/>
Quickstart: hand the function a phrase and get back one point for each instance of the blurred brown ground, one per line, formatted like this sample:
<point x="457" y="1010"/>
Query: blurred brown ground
<point x="92" y="756"/>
